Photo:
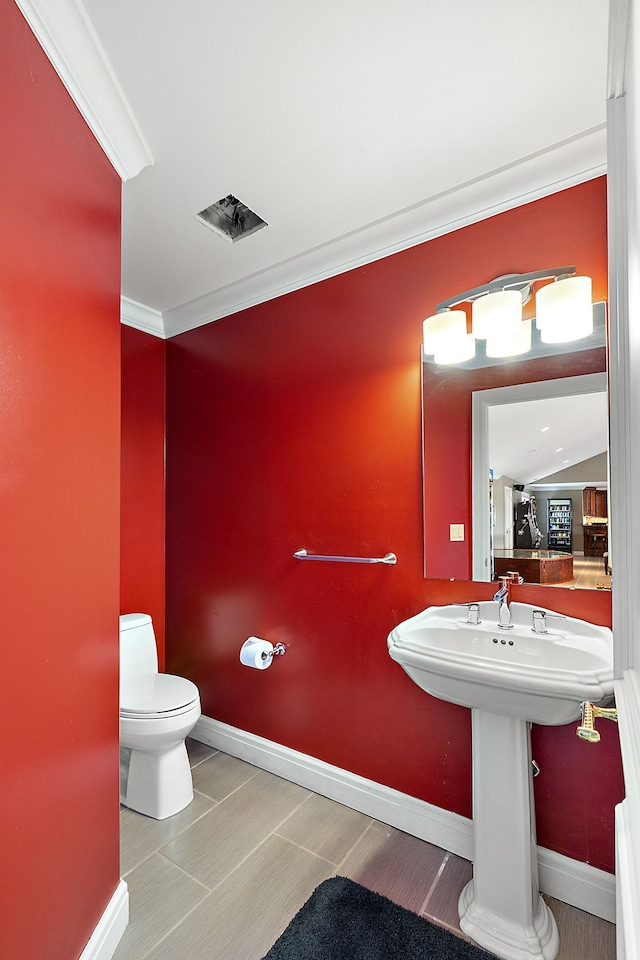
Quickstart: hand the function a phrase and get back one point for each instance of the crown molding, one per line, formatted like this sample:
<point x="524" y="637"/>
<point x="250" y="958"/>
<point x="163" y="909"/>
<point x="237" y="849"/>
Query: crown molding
<point x="548" y="171"/>
<point x="64" y="32"/>
<point x="134" y="314"/>
<point x="566" y="164"/>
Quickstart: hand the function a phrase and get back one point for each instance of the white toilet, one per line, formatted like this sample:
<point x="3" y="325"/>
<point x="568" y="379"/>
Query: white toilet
<point x="157" y="712"/>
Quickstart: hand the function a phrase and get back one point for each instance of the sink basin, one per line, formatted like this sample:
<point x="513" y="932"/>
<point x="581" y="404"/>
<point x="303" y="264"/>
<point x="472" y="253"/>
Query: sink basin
<point x="541" y="678"/>
<point x="509" y="678"/>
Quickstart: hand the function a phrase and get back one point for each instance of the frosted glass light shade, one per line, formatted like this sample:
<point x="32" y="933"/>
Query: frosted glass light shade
<point x="442" y="327"/>
<point x="456" y="350"/>
<point x="496" y="314"/>
<point x="565" y="310"/>
<point x="511" y="345"/>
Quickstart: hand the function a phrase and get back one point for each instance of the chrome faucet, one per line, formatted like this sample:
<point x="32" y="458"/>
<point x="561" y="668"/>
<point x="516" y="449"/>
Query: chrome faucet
<point x="503" y="598"/>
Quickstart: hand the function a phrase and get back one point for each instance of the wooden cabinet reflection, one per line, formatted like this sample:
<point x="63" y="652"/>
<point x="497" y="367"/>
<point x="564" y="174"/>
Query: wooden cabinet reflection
<point x="536" y="566"/>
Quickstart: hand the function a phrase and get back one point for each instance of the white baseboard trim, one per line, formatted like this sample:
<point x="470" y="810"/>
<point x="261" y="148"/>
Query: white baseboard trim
<point x="111" y="925"/>
<point x="568" y="880"/>
<point x="440" y="827"/>
<point x="578" y="884"/>
<point x="628" y="922"/>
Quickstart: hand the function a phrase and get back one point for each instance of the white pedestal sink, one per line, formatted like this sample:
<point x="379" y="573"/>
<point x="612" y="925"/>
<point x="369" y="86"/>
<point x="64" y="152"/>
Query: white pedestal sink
<point x="509" y="679"/>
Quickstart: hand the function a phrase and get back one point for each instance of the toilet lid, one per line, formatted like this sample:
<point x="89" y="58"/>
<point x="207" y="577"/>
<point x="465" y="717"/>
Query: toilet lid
<point x="156" y="693"/>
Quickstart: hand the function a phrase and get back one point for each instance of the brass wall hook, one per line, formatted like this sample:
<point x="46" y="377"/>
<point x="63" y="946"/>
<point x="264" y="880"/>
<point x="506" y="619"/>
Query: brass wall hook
<point x="588" y="713"/>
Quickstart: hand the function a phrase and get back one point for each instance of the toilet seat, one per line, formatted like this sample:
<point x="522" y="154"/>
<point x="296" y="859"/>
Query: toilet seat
<point x="157" y="694"/>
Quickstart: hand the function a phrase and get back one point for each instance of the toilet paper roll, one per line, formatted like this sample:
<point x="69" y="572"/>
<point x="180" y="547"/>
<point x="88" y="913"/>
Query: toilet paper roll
<point x="256" y="653"/>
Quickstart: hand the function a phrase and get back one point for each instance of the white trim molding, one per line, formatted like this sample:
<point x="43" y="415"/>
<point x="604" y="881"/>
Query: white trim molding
<point x="548" y="171"/>
<point x="64" y="32"/>
<point x="628" y="816"/>
<point x="619" y="20"/>
<point x="578" y="884"/>
<point x="134" y="314"/>
<point x="112" y="924"/>
<point x="627" y="875"/>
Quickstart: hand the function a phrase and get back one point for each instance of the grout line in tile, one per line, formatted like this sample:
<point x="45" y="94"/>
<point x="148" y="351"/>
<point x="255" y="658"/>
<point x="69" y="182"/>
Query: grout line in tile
<point x="234" y="791"/>
<point x="261" y="844"/>
<point x="157" y="849"/>
<point x="435" y="881"/>
<point x="456" y="931"/>
<point x="218" y="803"/>
<point x="235" y="867"/>
<point x="291" y="813"/>
<point x="185" y="872"/>
<point x="204" y="797"/>
<point x="438" y="879"/>
<point x="307" y="799"/>
<point x="356" y="842"/>
<point x="174" y="927"/>
<point x="300" y="846"/>
<point x="203" y="760"/>
<point x="255" y="849"/>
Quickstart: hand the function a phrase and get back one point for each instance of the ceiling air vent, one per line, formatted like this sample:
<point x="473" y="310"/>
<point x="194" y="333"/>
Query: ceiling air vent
<point x="231" y="218"/>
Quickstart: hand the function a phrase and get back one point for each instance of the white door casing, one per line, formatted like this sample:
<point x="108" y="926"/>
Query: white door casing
<point x="623" y="167"/>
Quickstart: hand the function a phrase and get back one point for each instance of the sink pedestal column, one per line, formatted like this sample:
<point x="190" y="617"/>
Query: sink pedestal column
<point x="501" y="908"/>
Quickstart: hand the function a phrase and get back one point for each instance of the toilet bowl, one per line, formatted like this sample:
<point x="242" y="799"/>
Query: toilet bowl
<point x="157" y="712"/>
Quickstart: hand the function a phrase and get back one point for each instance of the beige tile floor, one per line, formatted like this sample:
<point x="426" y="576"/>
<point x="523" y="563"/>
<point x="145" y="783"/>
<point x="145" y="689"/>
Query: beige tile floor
<point x="223" y="878"/>
<point x="588" y="574"/>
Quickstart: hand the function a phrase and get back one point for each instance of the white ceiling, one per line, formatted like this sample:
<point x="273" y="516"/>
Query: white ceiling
<point x="353" y="128"/>
<point x="535" y="439"/>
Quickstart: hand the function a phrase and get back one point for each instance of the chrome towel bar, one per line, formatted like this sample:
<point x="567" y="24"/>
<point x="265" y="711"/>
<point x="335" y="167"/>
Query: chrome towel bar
<point x="388" y="558"/>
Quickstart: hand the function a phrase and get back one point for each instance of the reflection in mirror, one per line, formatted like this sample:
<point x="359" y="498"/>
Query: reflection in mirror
<point x="449" y="465"/>
<point x="540" y="482"/>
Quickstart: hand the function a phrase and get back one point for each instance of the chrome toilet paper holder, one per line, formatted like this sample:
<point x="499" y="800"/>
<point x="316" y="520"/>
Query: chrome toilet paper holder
<point x="277" y="651"/>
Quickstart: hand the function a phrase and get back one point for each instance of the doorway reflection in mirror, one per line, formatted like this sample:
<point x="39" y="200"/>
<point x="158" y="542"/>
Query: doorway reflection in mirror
<point x="545" y="448"/>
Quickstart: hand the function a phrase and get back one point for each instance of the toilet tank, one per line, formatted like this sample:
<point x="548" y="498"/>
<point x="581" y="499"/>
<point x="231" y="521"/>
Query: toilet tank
<point x="138" y="653"/>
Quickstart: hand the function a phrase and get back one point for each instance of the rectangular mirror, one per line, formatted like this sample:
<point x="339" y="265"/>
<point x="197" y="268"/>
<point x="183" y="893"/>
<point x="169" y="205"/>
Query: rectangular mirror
<point x="474" y="521"/>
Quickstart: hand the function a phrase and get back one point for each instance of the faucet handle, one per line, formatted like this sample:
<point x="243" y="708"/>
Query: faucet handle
<point x="473" y="615"/>
<point x="539" y="620"/>
<point x="473" y="611"/>
<point x="588" y="713"/>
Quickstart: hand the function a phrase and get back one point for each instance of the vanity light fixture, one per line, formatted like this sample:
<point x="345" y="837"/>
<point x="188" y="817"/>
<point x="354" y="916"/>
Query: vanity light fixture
<point x="564" y="310"/>
<point x="496" y="315"/>
<point x="458" y="350"/>
<point x="445" y="336"/>
<point x="511" y="344"/>
<point x="564" y="313"/>
<point x="442" y="328"/>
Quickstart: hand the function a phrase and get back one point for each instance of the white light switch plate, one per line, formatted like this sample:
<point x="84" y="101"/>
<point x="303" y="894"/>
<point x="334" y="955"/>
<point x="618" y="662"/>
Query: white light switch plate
<point x="456" y="531"/>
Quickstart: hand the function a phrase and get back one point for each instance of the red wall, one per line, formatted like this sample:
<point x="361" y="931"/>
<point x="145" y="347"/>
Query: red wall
<point x="297" y="424"/>
<point x="59" y="502"/>
<point x="143" y="490"/>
